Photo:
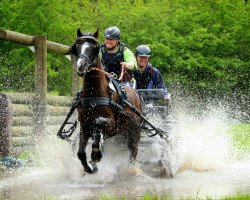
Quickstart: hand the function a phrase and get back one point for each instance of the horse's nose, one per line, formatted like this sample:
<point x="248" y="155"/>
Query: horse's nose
<point x="80" y="70"/>
<point x="81" y="63"/>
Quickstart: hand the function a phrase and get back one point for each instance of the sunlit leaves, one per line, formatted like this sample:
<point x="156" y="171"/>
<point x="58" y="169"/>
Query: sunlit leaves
<point x="199" y="43"/>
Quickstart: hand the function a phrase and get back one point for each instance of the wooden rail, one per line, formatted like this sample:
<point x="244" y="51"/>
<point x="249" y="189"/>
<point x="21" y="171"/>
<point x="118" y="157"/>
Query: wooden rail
<point x="29" y="41"/>
<point x="54" y="47"/>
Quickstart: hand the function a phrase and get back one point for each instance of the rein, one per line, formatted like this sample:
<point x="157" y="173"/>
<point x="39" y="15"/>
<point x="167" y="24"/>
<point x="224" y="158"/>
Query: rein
<point x="110" y="75"/>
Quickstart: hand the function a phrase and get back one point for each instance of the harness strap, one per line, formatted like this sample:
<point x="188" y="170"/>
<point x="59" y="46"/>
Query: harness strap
<point x="92" y="102"/>
<point x="97" y="101"/>
<point x="121" y="93"/>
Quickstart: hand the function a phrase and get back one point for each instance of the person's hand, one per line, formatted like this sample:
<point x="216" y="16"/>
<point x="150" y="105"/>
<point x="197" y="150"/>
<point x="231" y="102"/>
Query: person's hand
<point x="123" y="70"/>
<point x="127" y="65"/>
<point x="167" y="98"/>
<point x="123" y="65"/>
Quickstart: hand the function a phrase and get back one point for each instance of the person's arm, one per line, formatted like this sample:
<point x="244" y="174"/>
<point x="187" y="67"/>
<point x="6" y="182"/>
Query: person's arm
<point x="129" y="60"/>
<point x="159" y="82"/>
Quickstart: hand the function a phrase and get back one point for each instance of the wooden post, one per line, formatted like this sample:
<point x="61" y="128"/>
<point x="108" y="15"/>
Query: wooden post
<point x="5" y="123"/>
<point x="76" y="79"/>
<point x="39" y="108"/>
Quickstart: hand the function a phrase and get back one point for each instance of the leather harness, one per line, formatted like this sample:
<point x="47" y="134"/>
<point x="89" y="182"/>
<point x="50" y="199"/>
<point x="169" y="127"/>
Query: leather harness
<point x="104" y="101"/>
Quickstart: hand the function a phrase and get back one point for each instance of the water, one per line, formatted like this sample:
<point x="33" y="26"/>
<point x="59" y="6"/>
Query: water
<point x="200" y="155"/>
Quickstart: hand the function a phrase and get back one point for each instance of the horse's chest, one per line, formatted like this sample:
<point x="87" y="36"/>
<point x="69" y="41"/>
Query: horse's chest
<point x="90" y="114"/>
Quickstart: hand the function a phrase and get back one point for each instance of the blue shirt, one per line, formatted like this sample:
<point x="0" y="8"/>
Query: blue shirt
<point x="150" y="78"/>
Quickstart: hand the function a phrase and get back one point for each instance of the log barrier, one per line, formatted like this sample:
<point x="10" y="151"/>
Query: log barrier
<point x="19" y="134"/>
<point x="31" y="112"/>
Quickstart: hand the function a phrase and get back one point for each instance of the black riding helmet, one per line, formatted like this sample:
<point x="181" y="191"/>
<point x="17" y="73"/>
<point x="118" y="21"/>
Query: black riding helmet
<point x="143" y="50"/>
<point x="112" y="33"/>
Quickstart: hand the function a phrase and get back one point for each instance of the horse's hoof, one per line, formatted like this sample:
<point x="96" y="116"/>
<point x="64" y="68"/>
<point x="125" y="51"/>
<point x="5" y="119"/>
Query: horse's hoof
<point x="91" y="168"/>
<point x="94" y="167"/>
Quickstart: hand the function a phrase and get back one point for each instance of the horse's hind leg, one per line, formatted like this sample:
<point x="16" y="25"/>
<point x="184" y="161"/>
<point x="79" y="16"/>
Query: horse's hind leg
<point x="82" y="154"/>
<point x="133" y="140"/>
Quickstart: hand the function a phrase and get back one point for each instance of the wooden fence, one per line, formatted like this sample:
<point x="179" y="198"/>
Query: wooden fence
<point x="5" y="123"/>
<point x="22" y="123"/>
<point x="41" y="46"/>
<point x="32" y="110"/>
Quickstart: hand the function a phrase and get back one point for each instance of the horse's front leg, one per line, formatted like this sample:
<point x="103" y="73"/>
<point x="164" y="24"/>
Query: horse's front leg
<point x="82" y="153"/>
<point x="100" y="124"/>
<point x="96" y="154"/>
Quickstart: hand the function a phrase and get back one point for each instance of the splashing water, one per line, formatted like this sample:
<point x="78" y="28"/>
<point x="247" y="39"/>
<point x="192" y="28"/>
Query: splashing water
<point x="197" y="143"/>
<point x="200" y="155"/>
<point x="205" y="143"/>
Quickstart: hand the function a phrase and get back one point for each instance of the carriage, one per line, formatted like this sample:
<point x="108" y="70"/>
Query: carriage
<point x="107" y="108"/>
<point x="153" y="101"/>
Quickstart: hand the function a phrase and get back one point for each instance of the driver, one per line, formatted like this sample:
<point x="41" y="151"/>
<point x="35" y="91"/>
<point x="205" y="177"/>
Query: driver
<point x="147" y="76"/>
<point x="114" y="54"/>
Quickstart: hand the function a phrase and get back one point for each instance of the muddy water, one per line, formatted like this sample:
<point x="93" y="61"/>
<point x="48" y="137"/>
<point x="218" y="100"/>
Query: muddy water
<point x="200" y="155"/>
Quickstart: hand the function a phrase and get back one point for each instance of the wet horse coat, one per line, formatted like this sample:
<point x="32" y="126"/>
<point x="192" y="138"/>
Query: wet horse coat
<point x="100" y="110"/>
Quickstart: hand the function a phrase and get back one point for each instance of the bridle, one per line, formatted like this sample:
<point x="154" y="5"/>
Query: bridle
<point x="88" y="61"/>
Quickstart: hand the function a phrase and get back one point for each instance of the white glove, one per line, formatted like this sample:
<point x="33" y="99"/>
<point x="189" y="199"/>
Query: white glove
<point x="167" y="97"/>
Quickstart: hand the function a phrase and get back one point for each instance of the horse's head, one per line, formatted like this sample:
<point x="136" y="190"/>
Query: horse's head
<point x="86" y="49"/>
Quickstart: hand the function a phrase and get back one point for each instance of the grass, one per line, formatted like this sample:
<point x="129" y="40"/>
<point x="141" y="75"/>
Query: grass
<point x="51" y="93"/>
<point x="237" y="196"/>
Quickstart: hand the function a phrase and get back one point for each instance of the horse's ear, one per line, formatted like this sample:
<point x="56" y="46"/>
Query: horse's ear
<point x="79" y="33"/>
<point x="73" y="49"/>
<point x="96" y="34"/>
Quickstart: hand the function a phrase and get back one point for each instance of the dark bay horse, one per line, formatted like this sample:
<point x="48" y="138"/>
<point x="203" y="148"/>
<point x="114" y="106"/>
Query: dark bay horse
<point x="101" y="112"/>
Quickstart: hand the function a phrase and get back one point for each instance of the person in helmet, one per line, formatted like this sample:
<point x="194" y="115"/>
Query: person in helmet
<point x="147" y="76"/>
<point x="114" y="54"/>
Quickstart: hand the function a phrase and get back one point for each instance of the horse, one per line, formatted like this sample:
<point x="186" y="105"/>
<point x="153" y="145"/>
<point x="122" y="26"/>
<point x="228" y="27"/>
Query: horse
<point x="102" y="112"/>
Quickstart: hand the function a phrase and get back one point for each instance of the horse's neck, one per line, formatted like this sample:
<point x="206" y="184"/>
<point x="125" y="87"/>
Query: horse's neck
<point x="95" y="81"/>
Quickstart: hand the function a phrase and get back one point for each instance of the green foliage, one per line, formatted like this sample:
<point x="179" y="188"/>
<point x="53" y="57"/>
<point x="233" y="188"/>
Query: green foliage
<point x="201" y="45"/>
<point x="241" y="136"/>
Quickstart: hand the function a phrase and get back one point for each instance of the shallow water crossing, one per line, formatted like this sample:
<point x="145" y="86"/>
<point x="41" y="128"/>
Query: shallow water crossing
<point x="201" y="157"/>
